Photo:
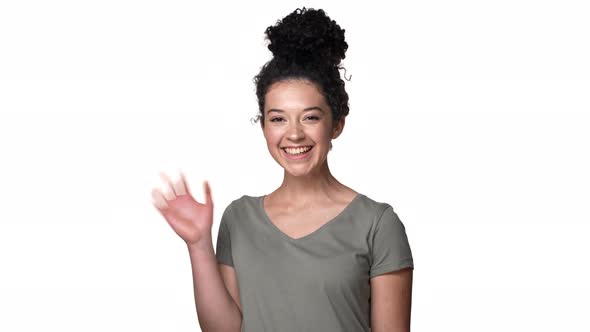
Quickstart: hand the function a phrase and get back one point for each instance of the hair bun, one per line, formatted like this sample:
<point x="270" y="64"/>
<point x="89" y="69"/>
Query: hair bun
<point x="307" y="35"/>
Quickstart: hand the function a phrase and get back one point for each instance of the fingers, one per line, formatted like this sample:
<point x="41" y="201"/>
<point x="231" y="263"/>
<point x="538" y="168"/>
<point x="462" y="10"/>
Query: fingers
<point x="158" y="199"/>
<point x="179" y="188"/>
<point x="169" y="193"/>
<point x="184" y="184"/>
<point x="172" y="189"/>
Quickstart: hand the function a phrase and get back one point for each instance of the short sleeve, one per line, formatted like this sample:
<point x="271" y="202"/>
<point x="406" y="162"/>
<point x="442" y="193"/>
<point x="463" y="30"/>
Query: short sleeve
<point x="390" y="247"/>
<point x="223" y="245"/>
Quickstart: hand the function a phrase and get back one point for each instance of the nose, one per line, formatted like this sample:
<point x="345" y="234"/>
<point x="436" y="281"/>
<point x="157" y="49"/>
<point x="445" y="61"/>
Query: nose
<point x="295" y="131"/>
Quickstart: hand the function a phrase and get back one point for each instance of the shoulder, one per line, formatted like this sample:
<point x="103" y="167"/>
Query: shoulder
<point x="380" y="215"/>
<point x="372" y="207"/>
<point x="241" y="206"/>
<point x="244" y="201"/>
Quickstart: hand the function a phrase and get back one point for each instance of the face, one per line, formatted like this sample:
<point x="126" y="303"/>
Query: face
<point x="297" y="115"/>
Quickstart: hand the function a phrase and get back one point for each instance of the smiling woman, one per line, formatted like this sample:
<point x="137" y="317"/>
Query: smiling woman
<point x="318" y="254"/>
<point x="298" y="131"/>
<point x="314" y="254"/>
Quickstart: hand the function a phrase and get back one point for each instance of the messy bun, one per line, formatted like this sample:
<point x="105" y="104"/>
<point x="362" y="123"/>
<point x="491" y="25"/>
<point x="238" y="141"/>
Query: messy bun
<point x="306" y="44"/>
<point x="306" y="36"/>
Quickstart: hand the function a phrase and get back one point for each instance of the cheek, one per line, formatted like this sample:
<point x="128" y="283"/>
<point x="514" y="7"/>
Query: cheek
<point x="272" y="138"/>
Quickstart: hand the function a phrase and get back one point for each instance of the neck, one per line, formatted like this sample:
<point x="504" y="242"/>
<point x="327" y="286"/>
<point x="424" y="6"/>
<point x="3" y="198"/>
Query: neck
<point x="311" y="187"/>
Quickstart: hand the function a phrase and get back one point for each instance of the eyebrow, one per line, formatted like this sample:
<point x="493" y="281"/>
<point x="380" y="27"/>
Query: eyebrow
<point x="305" y="110"/>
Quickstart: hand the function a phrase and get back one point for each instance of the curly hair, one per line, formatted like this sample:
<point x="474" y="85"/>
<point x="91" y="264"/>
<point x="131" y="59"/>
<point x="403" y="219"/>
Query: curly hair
<point x="307" y="45"/>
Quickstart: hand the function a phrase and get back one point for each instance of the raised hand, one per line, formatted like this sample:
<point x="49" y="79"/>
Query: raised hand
<point x="191" y="220"/>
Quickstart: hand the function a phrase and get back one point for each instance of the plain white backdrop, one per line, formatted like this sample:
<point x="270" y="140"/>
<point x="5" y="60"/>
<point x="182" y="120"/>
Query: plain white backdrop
<point x="469" y="117"/>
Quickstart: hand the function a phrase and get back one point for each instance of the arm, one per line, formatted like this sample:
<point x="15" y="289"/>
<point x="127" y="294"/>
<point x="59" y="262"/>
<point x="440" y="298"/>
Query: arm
<point x="216" y="308"/>
<point x="391" y="301"/>
<point x="192" y="221"/>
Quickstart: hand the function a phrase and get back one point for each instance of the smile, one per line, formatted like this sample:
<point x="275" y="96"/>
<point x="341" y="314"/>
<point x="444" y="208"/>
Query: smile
<point x="297" y="153"/>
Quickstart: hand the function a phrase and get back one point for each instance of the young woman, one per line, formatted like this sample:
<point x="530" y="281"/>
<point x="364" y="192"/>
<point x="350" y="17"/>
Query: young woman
<point x="313" y="255"/>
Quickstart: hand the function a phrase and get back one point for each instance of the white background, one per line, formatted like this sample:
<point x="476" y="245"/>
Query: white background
<point x="470" y="118"/>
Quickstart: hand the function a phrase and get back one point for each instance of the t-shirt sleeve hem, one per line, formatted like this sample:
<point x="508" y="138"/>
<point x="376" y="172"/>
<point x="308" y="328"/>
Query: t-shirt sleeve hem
<point x="389" y="267"/>
<point x="224" y="262"/>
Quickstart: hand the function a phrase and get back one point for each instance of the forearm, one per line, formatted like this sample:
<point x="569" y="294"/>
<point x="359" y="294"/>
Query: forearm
<point x="216" y="309"/>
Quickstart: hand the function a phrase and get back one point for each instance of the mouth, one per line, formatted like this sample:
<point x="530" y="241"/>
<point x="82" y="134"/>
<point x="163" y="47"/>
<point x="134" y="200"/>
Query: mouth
<point x="297" y="153"/>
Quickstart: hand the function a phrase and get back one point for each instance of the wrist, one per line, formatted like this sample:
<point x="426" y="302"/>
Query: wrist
<point x="204" y="245"/>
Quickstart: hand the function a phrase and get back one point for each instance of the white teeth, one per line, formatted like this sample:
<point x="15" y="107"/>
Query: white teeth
<point x="297" y="150"/>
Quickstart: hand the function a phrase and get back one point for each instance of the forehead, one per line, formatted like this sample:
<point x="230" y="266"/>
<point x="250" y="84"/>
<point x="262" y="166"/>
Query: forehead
<point x="293" y="95"/>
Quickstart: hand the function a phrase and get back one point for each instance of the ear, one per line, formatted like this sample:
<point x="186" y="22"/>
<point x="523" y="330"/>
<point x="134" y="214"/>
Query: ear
<point x="338" y="128"/>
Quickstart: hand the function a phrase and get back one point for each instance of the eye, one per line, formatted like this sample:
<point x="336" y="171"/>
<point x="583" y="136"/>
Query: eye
<point x="312" y="117"/>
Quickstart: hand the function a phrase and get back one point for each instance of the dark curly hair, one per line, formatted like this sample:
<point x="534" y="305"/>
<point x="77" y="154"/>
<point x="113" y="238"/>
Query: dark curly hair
<point x="306" y="44"/>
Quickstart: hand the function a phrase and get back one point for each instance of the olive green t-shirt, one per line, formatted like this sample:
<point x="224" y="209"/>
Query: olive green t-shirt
<point x="318" y="282"/>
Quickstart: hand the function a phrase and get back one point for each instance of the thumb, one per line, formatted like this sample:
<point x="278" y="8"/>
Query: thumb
<point x="207" y="188"/>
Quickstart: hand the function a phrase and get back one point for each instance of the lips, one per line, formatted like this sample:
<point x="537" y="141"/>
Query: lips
<point x="297" y="156"/>
<point x="298" y="149"/>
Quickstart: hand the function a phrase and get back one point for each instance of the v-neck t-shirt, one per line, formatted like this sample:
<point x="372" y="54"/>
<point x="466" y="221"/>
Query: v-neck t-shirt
<point x="317" y="282"/>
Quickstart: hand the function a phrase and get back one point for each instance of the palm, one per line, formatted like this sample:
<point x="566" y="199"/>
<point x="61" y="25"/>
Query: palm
<point x="190" y="219"/>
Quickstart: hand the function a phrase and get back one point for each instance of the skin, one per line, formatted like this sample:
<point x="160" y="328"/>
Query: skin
<point x="306" y="184"/>
<point x="308" y="187"/>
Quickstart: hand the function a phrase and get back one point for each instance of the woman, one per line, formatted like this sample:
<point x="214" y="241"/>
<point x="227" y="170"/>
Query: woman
<point x="313" y="255"/>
